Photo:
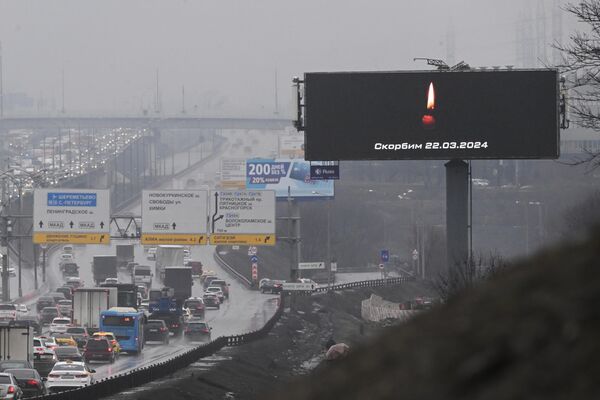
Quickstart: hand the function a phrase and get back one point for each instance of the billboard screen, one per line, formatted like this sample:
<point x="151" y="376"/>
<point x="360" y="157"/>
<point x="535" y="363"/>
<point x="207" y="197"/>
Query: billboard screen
<point x="279" y="175"/>
<point x="497" y="114"/>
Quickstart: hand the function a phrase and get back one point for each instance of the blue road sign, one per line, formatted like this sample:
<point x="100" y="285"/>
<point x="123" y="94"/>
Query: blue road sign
<point x="320" y="172"/>
<point x="254" y="259"/>
<point x="385" y="255"/>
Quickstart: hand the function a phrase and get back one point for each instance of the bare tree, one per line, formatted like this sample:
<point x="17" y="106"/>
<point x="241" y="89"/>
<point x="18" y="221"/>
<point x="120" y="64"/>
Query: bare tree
<point x="581" y="70"/>
<point x="467" y="274"/>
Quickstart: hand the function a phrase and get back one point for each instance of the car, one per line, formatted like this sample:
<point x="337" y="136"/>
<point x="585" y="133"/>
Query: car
<point x="197" y="330"/>
<point x="99" y="349"/>
<point x="48" y="314"/>
<point x="40" y="350"/>
<point x="174" y="322"/>
<point x="111" y="280"/>
<point x="11" y="272"/>
<point x="310" y="281"/>
<point x="64" y="339"/>
<point x="49" y="343"/>
<point x="45" y="301"/>
<point x="208" y="280"/>
<point x="65" y="353"/>
<point x="22" y="309"/>
<point x="211" y="300"/>
<point x="187" y="314"/>
<point x="143" y="290"/>
<point x="74" y="282"/>
<point x="57" y="296"/>
<point x="29" y="380"/>
<point x="216" y="290"/>
<point x="156" y="330"/>
<point x="270" y="285"/>
<point x="67" y="249"/>
<point x="67" y="375"/>
<point x="223" y="285"/>
<point x="67" y="291"/>
<point x="33" y="321"/>
<point x="8" y="312"/>
<point x="9" y="387"/>
<point x="195" y="305"/>
<point x="151" y="253"/>
<point x="8" y="364"/>
<point x="67" y="257"/>
<point x="480" y="182"/>
<point x="79" y="334"/>
<point x="65" y="306"/>
<point x="59" y="325"/>
<point x="111" y="339"/>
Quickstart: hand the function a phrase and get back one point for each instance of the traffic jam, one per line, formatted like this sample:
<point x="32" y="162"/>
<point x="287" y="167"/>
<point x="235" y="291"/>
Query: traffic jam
<point x="57" y="341"/>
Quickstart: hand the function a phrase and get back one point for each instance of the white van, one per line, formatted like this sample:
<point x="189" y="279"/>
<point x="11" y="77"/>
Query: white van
<point x="142" y="275"/>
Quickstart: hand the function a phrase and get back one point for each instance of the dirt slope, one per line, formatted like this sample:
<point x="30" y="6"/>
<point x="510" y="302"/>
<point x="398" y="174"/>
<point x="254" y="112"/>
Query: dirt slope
<point x="531" y="334"/>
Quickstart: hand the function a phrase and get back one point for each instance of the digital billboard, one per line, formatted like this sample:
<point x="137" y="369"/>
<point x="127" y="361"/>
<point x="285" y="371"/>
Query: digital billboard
<point x="279" y="175"/>
<point x="483" y="114"/>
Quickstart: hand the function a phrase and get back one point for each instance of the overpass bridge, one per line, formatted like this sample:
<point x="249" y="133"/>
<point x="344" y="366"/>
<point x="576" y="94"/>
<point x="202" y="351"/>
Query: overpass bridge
<point x="150" y="122"/>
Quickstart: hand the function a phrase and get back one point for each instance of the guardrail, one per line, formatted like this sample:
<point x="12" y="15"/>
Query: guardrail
<point x="231" y="270"/>
<point x="141" y="376"/>
<point x="369" y="283"/>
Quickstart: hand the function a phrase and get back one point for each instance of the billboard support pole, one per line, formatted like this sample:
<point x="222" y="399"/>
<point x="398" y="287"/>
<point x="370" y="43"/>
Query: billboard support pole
<point x="457" y="214"/>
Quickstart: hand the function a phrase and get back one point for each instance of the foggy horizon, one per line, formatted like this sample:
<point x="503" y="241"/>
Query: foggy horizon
<point x="227" y="56"/>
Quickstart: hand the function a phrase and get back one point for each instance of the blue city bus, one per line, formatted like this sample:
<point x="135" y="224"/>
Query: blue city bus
<point x="127" y="324"/>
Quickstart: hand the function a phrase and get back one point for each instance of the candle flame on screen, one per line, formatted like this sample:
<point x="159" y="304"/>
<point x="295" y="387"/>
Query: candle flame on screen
<point x="431" y="97"/>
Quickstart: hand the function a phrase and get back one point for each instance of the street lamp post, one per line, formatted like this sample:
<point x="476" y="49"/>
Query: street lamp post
<point x="20" y="242"/>
<point x="7" y="233"/>
<point x="539" y="222"/>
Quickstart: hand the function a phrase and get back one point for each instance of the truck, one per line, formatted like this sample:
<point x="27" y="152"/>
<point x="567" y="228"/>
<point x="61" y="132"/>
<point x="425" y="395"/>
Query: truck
<point x="88" y="303"/>
<point x="167" y="255"/>
<point x="196" y="267"/>
<point x="180" y="279"/>
<point x="142" y="275"/>
<point x="167" y="308"/>
<point x="126" y="294"/>
<point x="16" y="342"/>
<point x="104" y="267"/>
<point x="125" y="255"/>
<point x="69" y="269"/>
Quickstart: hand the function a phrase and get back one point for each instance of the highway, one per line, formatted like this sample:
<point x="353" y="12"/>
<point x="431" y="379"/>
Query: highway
<point x="246" y="310"/>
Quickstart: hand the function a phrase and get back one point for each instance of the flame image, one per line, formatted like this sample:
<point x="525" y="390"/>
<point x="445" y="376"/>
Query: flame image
<point x="431" y="97"/>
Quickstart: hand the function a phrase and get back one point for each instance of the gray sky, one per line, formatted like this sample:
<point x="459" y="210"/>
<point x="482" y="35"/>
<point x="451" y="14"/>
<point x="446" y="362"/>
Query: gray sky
<point x="226" y="52"/>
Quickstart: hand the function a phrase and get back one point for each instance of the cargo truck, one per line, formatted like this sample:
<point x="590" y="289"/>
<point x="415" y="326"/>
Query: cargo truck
<point x="104" y="267"/>
<point x="126" y="294"/>
<point x="166" y="307"/>
<point x="180" y="279"/>
<point x="167" y="255"/>
<point x="142" y="275"/>
<point x="16" y="342"/>
<point x="125" y="255"/>
<point x="88" y="303"/>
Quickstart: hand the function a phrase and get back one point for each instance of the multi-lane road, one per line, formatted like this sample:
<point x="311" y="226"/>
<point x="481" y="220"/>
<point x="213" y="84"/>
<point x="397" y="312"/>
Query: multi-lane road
<point x="246" y="310"/>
